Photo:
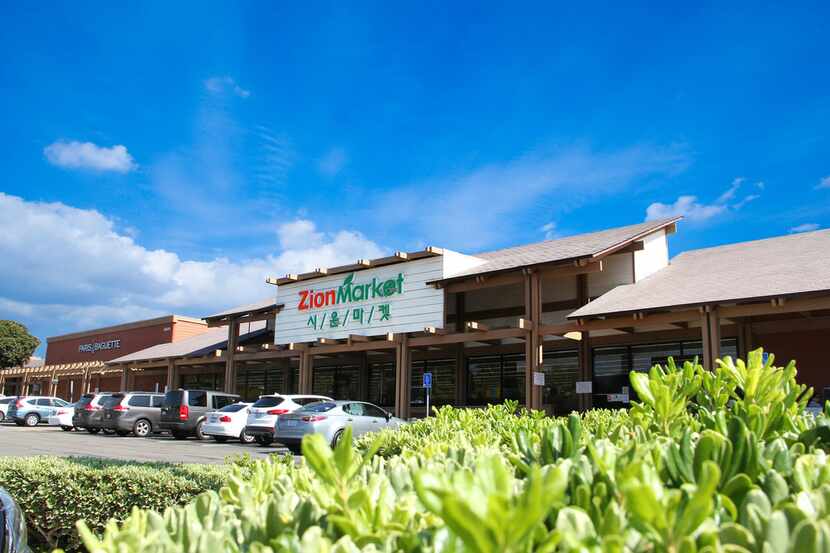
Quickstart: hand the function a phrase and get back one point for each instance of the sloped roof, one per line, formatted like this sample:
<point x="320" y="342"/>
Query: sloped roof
<point x="760" y="269"/>
<point x="201" y="344"/>
<point x="261" y="305"/>
<point x="579" y="246"/>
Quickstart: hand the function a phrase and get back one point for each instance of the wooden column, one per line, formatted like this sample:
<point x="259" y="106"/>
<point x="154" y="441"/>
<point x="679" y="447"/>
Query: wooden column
<point x="287" y="378"/>
<point x="233" y="342"/>
<point x="710" y="335"/>
<point x="2" y="383"/>
<point x="306" y="368"/>
<point x="533" y="342"/>
<point x="403" y="378"/>
<point x="363" y="377"/>
<point x="586" y="361"/>
<point x="53" y="387"/>
<point x="125" y="379"/>
<point x="460" y="359"/>
<point x="744" y="338"/>
<point x="172" y="375"/>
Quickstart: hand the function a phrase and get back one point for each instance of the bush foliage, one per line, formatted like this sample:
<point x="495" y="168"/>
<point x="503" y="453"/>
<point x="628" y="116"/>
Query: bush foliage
<point x="54" y="493"/>
<point x="721" y="461"/>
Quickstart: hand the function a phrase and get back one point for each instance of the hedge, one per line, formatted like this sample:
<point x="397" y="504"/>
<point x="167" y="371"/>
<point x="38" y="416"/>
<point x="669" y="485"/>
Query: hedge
<point x="707" y="461"/>
<point x="54" y="493"/>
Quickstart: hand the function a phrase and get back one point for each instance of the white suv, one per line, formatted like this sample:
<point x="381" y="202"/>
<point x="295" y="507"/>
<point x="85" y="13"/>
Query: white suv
<point x="4" y="406"/>
<point x="262" y="418"/>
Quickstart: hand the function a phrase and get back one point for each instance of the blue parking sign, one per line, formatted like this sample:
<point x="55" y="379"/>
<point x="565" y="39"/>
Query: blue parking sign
<point x="427" y="380"/>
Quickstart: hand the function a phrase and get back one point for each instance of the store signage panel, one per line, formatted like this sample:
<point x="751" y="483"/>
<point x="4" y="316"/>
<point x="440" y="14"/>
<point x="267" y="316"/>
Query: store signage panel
<point x="393" y="298"/>
<point x="99" y="346"/>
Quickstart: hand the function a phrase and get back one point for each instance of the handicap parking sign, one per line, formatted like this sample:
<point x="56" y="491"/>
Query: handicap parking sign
<point x="427" y="380"/>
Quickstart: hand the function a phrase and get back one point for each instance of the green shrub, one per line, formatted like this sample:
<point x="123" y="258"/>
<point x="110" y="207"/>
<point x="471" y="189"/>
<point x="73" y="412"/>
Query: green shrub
<point x="706" y="462"/>
<point x="54" y="493"/>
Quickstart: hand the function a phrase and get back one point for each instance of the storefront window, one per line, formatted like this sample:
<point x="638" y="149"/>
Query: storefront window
<point x="561" y="370"/>
<point x="382" y="384"/>
<point x="253" y="381"/>
<point x="204" y="381"/>
<point x="494" y="379"/>
<point x="336" y="382"/>
<point x="443" y="382"/>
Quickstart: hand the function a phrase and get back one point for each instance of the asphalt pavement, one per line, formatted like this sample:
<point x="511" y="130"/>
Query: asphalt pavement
<point x="17" y="441"/>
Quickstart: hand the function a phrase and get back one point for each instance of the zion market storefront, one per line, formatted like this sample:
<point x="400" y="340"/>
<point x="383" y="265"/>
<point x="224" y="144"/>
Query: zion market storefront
<point x="532" y="323"/>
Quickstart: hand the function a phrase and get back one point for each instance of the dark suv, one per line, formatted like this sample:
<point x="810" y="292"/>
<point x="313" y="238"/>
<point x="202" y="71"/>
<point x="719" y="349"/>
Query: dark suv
<point x="183" y="411"/>
<point x="88" y="411"/>
<point x="136" y="412"/>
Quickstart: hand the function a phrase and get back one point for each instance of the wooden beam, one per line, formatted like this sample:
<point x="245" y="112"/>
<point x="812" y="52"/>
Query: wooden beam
<point x="435" y="330"/>
<point x="355" y="338"/>
<point x="626" y="329"/>
<point x="327" y="341"/>
<point x="461" y="337"/>
<point x="476" y="326"/>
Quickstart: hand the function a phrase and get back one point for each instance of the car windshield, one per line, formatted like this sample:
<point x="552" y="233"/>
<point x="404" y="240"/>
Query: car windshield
<point x="318" y="407"/>
<point x="6" y="400"/>
<point x="268" y="401"/>
<point x="232" y="408"/>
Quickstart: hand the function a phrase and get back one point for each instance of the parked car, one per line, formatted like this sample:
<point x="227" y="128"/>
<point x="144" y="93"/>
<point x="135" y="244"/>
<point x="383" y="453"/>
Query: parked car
<point x="4" y="406"/>
<point x="63" y="417"/>
<point x="228" y="423"/>
<point x="88" y="415"/>
<point x="183" y="412"/>
<point x="262" y="419"/>
<point x="330" y="418"/>
<point x="138" y="413"/>
<point x="12" y="526"/>
<point x="32" y="410"/>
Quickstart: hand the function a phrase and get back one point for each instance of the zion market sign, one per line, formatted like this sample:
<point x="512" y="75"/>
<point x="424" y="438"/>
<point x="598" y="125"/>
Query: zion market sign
<point x="350" y="292"/>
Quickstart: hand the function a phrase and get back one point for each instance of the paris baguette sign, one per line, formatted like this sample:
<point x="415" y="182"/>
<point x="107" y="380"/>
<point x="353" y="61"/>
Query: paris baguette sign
<point x="393" y="298"/>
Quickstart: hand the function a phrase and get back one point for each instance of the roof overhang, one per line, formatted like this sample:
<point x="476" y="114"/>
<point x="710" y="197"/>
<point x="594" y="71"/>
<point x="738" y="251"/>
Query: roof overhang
<point x="265" y="312"/>
<point x="359" y="265"/>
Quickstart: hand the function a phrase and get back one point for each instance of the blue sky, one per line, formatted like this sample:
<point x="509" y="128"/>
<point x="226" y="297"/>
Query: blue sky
<point x="164" y="157"/>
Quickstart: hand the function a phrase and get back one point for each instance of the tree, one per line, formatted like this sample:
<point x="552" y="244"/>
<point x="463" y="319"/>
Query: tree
<point x="16" y="344"/>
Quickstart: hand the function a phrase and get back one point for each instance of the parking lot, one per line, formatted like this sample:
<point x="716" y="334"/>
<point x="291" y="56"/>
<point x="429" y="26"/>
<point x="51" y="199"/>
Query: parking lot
<point x="20" y="441"/>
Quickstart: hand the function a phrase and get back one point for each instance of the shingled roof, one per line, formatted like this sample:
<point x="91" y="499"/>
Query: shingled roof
<point x="561" y="250"/>
<point x="195" y="346"/>
<point x="761" y="269"/>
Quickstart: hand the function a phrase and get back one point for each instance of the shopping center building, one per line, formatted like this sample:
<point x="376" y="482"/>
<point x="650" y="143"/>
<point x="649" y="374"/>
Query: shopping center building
<point x="556" y="325"/>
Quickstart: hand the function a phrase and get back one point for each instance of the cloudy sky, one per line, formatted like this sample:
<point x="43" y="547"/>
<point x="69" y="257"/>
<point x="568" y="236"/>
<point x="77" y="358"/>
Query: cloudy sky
<point x="167" y="157"/>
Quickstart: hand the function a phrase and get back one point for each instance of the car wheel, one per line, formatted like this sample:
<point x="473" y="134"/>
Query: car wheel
<point x="336" y="439"/>
<point x="142" y="428"/>
<point x="66" y="428"/>
<point x="93" y="430"/>
<point x="199" y="434"/>
<point x="264" y="440"/>
<point x="2" y="416"/>
<point x="31" y="419"/>
<point x="246" y="438"/>
<point x="179" y="435"/>
<point x="221" y="439"/>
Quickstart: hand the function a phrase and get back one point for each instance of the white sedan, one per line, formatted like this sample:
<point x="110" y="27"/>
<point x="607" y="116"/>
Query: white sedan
<point x="63" y="417"/>
<point x="228" y="423"/>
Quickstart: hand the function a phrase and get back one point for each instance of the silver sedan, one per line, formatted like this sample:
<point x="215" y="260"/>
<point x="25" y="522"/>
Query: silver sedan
<point x="330" y="418"/>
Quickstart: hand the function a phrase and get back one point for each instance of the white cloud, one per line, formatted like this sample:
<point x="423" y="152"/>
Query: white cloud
<point x="333" y="162"/>
<point x="824" y="183"/>
<point x="86" y="155"/>
<point x="685" y="206"/>
<point x="550" y="230"/>
<point x="479" y="208"/>
<point x="692" y="210"/>
<point x="68" y="268"/>
<point x="806" y="227"/>
<point x="220" y="85"/>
